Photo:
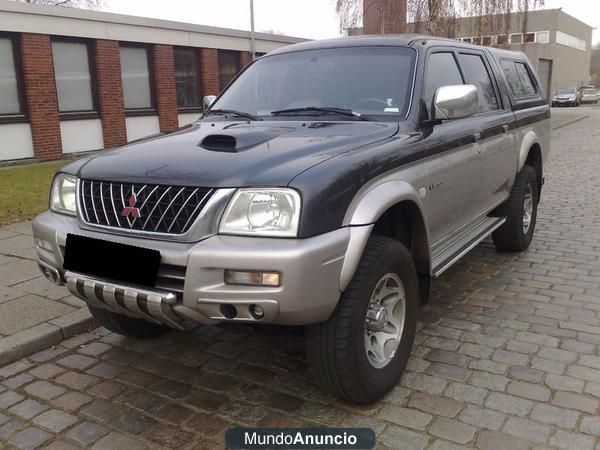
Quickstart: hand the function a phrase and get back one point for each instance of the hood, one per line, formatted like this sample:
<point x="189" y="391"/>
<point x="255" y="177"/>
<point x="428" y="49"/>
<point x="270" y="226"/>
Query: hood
<point x="226" y="154"/>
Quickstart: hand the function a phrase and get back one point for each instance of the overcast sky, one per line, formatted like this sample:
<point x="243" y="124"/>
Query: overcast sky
<point x="304" y="18"/>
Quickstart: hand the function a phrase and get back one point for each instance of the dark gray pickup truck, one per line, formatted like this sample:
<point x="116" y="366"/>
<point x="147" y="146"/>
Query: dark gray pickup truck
<point x="326" y="186"/>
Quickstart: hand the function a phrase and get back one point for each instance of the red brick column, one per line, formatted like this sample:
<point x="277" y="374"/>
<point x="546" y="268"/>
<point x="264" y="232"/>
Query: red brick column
<point x="209" y="66"/>
<point x="384" y="16"/>
<point x="42" y="101"/>
<point x="164" y="84"/>
<point x="245" y="59"/>
<point x="110" y="92"/>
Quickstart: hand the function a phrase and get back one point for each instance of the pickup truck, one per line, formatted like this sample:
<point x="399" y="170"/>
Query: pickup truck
<point x="327" y="186"/>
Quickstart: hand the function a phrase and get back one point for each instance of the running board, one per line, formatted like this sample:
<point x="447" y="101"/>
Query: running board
<point x="460" y="248"/>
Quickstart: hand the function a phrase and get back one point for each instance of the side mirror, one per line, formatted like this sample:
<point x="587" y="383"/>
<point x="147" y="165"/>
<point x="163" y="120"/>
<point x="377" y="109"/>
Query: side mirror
<point x="207" y="101"/>
<point x="455" y="102"/>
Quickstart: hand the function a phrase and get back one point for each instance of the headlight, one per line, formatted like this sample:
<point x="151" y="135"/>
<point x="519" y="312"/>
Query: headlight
<point x="62" y="196"/>
<point x="262" y="212"/>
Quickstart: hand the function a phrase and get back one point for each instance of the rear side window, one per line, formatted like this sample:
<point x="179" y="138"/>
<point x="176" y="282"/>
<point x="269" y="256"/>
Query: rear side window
<point x="520" y="80"/>
<point x="441" y="71"/>
<point x="476" y="73"/>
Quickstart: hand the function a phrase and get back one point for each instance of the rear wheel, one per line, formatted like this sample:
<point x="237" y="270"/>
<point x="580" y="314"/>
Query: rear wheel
<point x="362" y="350"/>
<point x="127" y="326"/>
<point x="520" y="210"/>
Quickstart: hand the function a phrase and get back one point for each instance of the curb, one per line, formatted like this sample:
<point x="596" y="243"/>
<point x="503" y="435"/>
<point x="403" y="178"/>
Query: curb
<point x="44" y="335"/>
<point x="571" y="122"/>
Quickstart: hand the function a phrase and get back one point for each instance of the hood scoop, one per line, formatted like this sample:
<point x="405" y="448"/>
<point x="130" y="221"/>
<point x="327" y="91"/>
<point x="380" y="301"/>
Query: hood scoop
<point x="241" y="137"/>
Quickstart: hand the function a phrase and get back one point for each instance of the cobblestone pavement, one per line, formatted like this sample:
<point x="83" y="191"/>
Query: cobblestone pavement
<point x="507" y="356"/>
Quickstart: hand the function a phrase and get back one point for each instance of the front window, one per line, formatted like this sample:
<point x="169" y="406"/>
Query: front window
<point x="373" y="81"/>
<point x="589" y="91"/>
<point x="567" y="91"/>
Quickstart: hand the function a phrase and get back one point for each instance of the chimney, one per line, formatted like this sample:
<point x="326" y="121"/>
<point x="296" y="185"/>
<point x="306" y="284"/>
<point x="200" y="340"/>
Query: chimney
<point x="384" y="16"/>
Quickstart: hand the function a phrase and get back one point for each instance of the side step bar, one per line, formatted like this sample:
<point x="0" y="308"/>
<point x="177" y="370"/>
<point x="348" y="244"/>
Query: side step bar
<point x="466" y="244"/>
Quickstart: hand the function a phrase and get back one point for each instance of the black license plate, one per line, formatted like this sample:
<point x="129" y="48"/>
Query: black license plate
<point x="127" y="263"/>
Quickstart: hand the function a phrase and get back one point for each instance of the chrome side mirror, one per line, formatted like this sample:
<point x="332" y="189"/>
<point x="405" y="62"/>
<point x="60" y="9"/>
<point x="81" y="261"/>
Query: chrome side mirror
<point x="207" y="101"/>
<point x="455" y="102"/>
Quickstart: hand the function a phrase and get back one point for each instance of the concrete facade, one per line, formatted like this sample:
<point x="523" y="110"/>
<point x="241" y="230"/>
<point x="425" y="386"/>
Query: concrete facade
<point x="553" y="45"/>
<point x="41" y="130"/>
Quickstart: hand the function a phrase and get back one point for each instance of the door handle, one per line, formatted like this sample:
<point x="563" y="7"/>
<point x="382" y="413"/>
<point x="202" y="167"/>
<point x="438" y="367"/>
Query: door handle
<point x="477" y="136"/>
<point x="505" y="128"/>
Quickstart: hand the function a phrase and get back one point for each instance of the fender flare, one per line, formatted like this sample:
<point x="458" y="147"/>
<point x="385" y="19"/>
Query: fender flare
<point x="366" y="208"/>
<point x="529" y="140"/>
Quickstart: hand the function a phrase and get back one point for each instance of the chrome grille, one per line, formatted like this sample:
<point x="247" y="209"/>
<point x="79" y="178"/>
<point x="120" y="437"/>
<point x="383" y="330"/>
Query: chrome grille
<point x="142" y="207"/>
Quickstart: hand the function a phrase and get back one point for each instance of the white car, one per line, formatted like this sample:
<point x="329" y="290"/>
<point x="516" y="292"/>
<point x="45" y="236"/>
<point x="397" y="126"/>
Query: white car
<point x="589" y="95"/>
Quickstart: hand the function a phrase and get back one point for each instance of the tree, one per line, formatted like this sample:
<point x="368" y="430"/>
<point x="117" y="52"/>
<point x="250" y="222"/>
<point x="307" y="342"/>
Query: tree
<point x="440" y="17"/>
<point x="595" y="67"/>
<point x="81" y="4"/>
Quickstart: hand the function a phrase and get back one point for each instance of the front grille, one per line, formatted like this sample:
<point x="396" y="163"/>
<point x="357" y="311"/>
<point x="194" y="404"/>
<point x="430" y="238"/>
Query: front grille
<point x="142" y="207"/>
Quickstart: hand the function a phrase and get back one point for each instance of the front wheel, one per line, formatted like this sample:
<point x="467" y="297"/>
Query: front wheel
<point x="520" y="210"/>
<point x="363" y="348"/>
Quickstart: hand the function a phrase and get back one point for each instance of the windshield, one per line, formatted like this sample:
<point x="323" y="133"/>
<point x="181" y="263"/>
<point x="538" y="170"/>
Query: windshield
<point x="589" y="91"/>
<point x="374" y="81"/>
<point x="567" y="91"/>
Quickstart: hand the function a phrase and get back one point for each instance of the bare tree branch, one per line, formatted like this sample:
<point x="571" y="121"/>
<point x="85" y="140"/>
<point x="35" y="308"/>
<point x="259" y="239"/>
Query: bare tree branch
<point x="81" y="4"/>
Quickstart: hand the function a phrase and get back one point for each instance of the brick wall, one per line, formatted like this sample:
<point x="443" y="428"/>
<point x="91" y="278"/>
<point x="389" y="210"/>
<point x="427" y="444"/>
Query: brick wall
<point x="209" y="67"/>
<point x="110" y="92"/>
<point x="384" y="16"/>
<point x="42" y="102"/>
<point x="164" y="85"/>
<point x="245" y="59"/>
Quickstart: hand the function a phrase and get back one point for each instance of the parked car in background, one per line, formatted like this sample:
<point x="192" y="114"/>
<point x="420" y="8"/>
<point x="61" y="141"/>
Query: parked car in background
<point x="327" y="186"/>
<point x="566" y="97"/>
<point x="589" y="95"/>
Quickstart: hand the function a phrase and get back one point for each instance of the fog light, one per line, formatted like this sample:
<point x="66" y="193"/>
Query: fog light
<point x="253" y="278"/>
<point x="257" y="312"/>
<point x="42" y="243"/>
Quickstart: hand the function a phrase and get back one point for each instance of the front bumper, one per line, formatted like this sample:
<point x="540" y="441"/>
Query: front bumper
<point x="310" y="275"/>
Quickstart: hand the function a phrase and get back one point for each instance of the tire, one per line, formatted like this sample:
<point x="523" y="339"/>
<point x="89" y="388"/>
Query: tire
<point x="127" y="326"/>
<point x="336" y="349"/>
<point x="513" y="235"/>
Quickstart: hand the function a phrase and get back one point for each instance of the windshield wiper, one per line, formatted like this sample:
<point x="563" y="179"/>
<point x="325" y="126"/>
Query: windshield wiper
<point x="233" y="112"/>
<point x="323" y="109"/>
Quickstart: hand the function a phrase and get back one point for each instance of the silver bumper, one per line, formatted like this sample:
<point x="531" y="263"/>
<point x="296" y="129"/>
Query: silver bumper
<point x="310" y="270"/>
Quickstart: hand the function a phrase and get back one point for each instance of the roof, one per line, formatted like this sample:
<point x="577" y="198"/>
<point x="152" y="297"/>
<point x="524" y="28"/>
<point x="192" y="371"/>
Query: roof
<point x="50" y="12"/>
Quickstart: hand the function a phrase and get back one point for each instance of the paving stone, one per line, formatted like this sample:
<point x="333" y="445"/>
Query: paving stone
<point x="558" y="416"/>
<point x="508" y="404"/>
<point x="425" y="383"/>
<point x="168" y="436"/>
<point x="78" y="362"/>
<point x="493" y="440"/>
<point x="452" y="430"/>
<point x="106" y="389"/>
<point x="526" y="374"/>
<point x="509" y="357"/>
<point x="48" y="354"/>
<point x="15" y="368"/>
<point x="29" y="438"/>
<point x="17" y="380"/>
<point x="55" y="420"/>
<point x="564" y="383"/>
<point x="129" y="420"/>
<point x="44" y="390"/>
<point x="529" y="390"/>
<point x="9" y="398"/>
<point x="446" y="357"/>
<point x="548" y="365"/>
<point x="575" y="401"/>
<point x="522" y="347"/>
<point x="401" y="438"/>
<point x="489" y="381"/>
<point x="94" y="349"/>
<point x="46" y="371"/>
<point x="466" y="393"/>
<point x="114" y="441"/>
<point x="72" y="401"/>
<point x="60" y="445"/>
<point x="16" y="314"/>
<point x="482" y="417"/>
<point x="564" y="356"/>
<point x="476" y="350"/>
<point x="449" y="372"/>
<point x="434" y="404"/>
<point x="78" y="381"/>
<point x="590" y="425"/>
<point x="406" y="417"/>
<point x="527" y="429"/>
<point x="584" y="373"/>
<point x="28" y="409"/>
<point x="87" y="433"/>
<point x="488" y="366"/>
<point x="571" y="441"/>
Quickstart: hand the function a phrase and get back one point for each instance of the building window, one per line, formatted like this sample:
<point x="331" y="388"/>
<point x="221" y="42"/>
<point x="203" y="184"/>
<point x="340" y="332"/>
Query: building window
<point x="486" y="40"/>
<point x="229" y="66"/>
<point x="502" y="39"/>
<point x="516" y="38"/>
<point x="529" y="37"/>
<point x="9" y="81"/>
<point x="570" y="41"/>
<point x="73" y="76"/>
<point x="135" y="74"/>
<point x="187" y="78"/>
<point x="543" y="37"/>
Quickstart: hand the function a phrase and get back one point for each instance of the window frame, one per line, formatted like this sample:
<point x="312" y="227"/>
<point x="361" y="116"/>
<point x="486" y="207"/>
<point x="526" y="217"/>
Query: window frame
<point x="23" y="115"/>
<point x="145" y="111"/>
<point x="239" y="65"/>
<point x="80" y="114"/>
<point x="191" y="109"/>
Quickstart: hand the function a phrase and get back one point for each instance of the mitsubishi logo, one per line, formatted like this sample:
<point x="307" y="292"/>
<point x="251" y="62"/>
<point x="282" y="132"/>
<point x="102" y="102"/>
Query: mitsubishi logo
<point x="131" y="209"/>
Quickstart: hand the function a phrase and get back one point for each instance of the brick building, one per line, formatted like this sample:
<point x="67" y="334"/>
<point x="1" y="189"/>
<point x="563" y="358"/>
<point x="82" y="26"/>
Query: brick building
<point x="74" y="80"/>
